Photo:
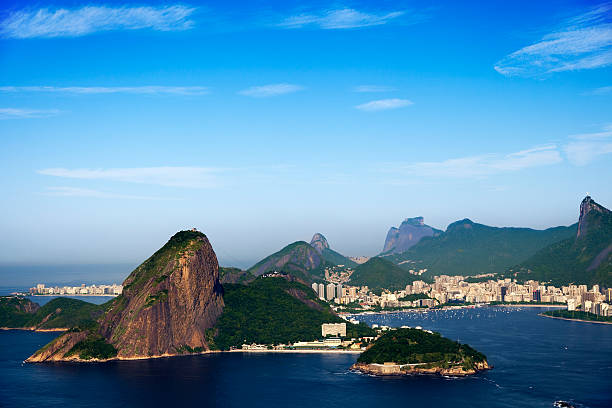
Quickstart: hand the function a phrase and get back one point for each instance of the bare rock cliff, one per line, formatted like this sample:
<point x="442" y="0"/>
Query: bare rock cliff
<point x="169" y="302"/>
<point x="169" y="306"/>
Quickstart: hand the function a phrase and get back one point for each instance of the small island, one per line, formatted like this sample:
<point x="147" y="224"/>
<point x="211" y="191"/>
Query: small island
<point x="408" y="351"/>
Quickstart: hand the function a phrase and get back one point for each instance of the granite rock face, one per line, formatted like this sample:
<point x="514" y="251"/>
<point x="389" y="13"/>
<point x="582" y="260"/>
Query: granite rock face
<point x="319" y="242"/>
<point x="587" y="206"/>
<point x="168" y="302"/>
<point x="407" y="235"/>
<point x="169" y="306"/>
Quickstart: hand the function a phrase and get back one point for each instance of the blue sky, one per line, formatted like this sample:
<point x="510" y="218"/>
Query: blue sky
<point x="261" y="123"/>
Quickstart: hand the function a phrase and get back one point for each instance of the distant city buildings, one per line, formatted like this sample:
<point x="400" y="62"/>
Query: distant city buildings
<point x="83" y="290"/>
<point x="457" y="290"/>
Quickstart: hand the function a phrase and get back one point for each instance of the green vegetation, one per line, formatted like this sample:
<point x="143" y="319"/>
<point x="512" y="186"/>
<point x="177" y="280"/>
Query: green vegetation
<point x="299" y="259"/>
<point x="579" y="315"/>
<point x="481" y="279"/>
<point x="336" y="258"/>
<point x="583" y="260"/>
<point x="413" y="297"/>
<point x="94" y="346"/>
<point x="160" y="296"/>
<point x="380" y="273"/>
<point x="412" y="346"/>
<point x="180" y="243"/>
<point x="468" y="248"/>
<point x="274" y="311"/>
<point x="533" y="302"/>
<point x="16" y="311"/>
<point x="57" y="313"/>
<point x="185" y="349"/>
<point x="234" y="275"/>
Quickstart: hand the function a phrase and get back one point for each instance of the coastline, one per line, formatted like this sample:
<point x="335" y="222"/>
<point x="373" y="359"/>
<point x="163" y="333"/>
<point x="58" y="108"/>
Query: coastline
<point x="334" y="351"/>
<point x="34" y="329"/>
<point x="74" y="359"/>
<point x="531" y="305"/>
<point x="392" y="369"/>
<point x="59" y="295"/>
<point x="572" y="320"/>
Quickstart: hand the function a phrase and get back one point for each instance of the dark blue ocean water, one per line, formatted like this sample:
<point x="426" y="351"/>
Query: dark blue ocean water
<point x="537" y="361"/>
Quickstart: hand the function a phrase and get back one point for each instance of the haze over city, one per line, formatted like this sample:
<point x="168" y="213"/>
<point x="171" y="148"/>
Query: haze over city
<point x="260" y="125"/>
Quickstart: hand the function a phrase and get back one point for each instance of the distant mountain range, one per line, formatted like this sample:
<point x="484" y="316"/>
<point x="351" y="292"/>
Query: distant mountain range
<point x="577" y="253"/>
<point x="409" y="233"/>
<point x="468" y="248"/>
<point x="584" y="258"/>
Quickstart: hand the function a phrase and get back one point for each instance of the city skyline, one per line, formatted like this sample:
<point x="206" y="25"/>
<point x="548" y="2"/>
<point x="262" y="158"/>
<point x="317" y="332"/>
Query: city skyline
<point x="261" y="126"/>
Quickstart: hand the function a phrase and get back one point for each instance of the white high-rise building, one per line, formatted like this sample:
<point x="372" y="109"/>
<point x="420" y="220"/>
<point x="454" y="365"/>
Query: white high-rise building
<point x="339" y="290"/>
<point x="321" y="291"/>
<point x="331" y="291"/>
<point x="315" y="287"/>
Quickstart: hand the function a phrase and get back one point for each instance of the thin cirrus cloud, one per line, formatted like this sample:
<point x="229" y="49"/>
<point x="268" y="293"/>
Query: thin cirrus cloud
<point x="89" y="193"/>
<point x="18" y="113"/>
<point x="62" y="22"/>
<point x="266" y="91"/>
<point x="339" y="19"/>
<point x="582" y="42"/>
<point x="93" y="90"/>
<point x="186" y="177"/>
<point x="481" y="165"/>
<point x="604" y="90"/>
<point x="372" y="88"/>
<point x="586" y="148"/>
<point x="384" y="104"/>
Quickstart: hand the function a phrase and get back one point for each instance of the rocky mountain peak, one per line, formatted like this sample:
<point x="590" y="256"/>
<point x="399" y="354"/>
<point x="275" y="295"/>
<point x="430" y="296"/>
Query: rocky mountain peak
<point x="416" y="221"/>
<point x="169" y="301"/>
<point x="319" y="242"/>
<point x="588" y="208"/>
<point x="409" y="233"/>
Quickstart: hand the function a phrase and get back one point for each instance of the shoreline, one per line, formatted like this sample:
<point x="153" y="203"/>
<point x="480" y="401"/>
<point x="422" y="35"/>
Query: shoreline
<point x="136" y="358"/>
<point x="426" y="310"/>
<point x="57" y="295"/>
<point x="572" y="320"/>
<point x="56" y="329"/>
<point x="306" y="351"/>
<point x="530" y="305"/>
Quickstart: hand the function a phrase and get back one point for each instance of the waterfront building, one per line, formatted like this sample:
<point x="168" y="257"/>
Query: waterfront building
<point x="333" y="329"/>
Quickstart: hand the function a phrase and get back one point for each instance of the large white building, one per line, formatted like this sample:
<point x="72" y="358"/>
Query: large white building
<point x="333" y="329"/>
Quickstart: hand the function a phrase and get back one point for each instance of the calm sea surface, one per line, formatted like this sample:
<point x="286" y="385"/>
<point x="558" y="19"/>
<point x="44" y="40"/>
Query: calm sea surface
<point x="537" y="361"/>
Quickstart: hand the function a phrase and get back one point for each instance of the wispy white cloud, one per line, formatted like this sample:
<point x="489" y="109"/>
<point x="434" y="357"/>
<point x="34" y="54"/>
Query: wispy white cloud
<point x="582" y="42"/>
<point x="17" y="113"/>
<point x="89" y="193"/>
<point x="339" y="19"/>
<point x="604" y="90"/>
<point x="372" y="88"/>
<point x="270" y="90"/>
<point x="482" y="165"/>
<point x="188" y="177"/>
<point x="587" y="147"/>
<point x="91" y="90"/>
<point x="61" y="22"/>
<point x="384" y="104"/>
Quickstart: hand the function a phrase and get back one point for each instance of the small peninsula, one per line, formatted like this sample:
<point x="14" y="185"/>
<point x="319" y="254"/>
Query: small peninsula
<point x="408" y="351"/>
<point x="577" y="315"/>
